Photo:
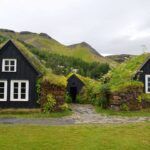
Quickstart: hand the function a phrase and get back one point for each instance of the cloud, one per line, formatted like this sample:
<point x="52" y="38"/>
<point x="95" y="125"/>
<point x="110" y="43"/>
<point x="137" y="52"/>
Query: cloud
<point x="111" y="26"/>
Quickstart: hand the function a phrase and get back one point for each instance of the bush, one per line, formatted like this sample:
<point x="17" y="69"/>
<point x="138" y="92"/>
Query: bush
<point x="80" y="99"/>
<point x="50" y="104"/>
<point x="124" y="107"/>
<point x="145" y="97"/>
<point x="103" y="100"/>
<point x="139" y="98"/>
<point x="64" y="107"/>
<point x="68" y="98"/>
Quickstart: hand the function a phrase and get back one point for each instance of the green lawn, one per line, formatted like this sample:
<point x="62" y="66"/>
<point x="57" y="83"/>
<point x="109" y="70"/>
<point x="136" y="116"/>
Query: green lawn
<point x="77" y="137"/>
<point x="108" y="112"/>
<point x="31" y="113"/>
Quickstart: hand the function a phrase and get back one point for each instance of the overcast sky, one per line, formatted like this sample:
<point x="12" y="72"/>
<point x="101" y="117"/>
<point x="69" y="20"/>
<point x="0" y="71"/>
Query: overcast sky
<point x="110" y="26"/>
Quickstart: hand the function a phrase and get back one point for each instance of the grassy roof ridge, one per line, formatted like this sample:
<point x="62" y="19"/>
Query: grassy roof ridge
<point x="123" y="74"/>
<point x="47" y="74"/>
<point x="88" y="82"/>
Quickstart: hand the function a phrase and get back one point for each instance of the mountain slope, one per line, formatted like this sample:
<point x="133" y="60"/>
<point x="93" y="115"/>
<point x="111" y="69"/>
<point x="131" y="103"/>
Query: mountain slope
<point x="120" y="58"/>
<point x="44" y="42"/>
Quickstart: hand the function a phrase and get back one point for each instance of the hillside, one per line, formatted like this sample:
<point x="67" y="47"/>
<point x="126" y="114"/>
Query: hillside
<point x="120" y="58"/>
<point x="57" y="63"/>
<point x="44" y="42"/>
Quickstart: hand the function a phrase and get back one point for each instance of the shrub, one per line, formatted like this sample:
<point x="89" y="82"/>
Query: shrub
<point x="50" y="104"/>
<point x="124" y="107"/>
<point x="68" y="98"/>
<point x="86" y="96"/>
<point x="64" y="107"/>
<point x="103" y="100"/>
<point x="139" y="98"/>
<point x="145" y="97"/>
<point x="80" y="99"/>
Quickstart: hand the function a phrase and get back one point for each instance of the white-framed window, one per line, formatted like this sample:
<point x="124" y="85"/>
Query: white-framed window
<point x="3" y="90"/>
<point x="147" y="83"/>
<point x="19" y="90"/>
<point x="9" y="65"/>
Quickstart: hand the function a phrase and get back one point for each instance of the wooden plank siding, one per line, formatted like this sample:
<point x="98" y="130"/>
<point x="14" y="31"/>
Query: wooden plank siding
<point x="25" y="71"/>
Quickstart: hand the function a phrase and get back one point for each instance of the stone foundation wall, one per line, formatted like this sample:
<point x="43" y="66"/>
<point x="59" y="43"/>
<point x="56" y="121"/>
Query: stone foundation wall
<point x="145" y="104"/>
<point x="58" y="93"/>
<point x="128" y="97"/>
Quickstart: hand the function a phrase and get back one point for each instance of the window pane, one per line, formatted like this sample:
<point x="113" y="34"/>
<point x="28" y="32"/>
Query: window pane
<point x="6" y="68"/>
<point x="2" y="84"/>
<point x="23" y="91"/>
<point x="12" y="62"/>
<point x="23" y="85"/>
<point x="15" y="90"/>
<point x="15" y="85"/>
<point x="1" y="90"/>
<point x="15" y="96"/>
<point x="23" y="96"/>
<point x="12" y="68"/>
<point x="6" y="62"/>
<point x="1" y="96"/>
<point x="148" y="79"/>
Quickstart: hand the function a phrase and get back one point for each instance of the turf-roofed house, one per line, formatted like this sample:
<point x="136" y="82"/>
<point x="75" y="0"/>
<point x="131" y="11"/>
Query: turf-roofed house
<point x="74" y="86"/>
<point x="143" y="75"/>
<point x="130" y="84"/>
<point x="17" y="78"/>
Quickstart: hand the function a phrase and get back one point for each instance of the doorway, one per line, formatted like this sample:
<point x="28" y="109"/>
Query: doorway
<point x="73" y="94"/>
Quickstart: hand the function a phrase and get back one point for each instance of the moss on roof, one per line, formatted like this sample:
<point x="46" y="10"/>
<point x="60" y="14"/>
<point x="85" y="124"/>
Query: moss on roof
<point x="88" y="82"/>
<point x="47" y="73"/>
<point x="122" y="75"/>
<point x="58" y="80"/>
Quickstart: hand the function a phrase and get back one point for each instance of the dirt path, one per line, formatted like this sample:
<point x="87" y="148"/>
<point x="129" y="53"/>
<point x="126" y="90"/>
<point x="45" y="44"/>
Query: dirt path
<point x="87" y="114"/>
<point x="83" y="114"/>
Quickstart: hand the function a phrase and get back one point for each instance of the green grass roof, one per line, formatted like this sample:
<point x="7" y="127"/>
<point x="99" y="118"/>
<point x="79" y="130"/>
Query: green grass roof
<point x="88" y="82"/>
<point x="122" y="75"/>
<point x="47" y="73"/>
<point x="58" y="80"/>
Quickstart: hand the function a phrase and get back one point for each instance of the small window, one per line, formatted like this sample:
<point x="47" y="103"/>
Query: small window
<point x="3" y="90"/>
<point x="9" y="65"/>
<point x="19" y="90"/>
<point x="147" y="84"/>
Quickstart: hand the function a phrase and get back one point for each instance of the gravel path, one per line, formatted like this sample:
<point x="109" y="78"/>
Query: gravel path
<point x="83" y="114"/>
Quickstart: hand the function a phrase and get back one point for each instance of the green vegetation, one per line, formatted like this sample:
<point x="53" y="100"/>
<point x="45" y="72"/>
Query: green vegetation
<point x="77" y="137"/>
<point x="145" y="97"/>
<point x="120" y="58"/>
<point x="46" y="43"/>
<point x="121" y="77"/>
<point x="103" y="100"/>
<point x="64" y="65"/>
<point x="47" y="73"/>
<point x="108" y="112"/>
<point x="31" y="113"/>
<point x="50" y="104"/>
<point x="2" y="39"/>
<point x="90" y="93"/>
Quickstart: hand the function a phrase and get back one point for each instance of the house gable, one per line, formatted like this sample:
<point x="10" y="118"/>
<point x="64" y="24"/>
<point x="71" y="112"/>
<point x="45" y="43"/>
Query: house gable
<point x="10" y="50"/>
<point x="25" y="76"/>
<point x="143" y="75"/>
<point x="74" y="86"/>
<point x="75" y="79"/>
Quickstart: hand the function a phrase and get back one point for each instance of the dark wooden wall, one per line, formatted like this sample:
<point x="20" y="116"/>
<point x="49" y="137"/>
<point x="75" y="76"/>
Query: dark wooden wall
<point x="145" y="70"/>
<point x="25" y="71"/>
<point x="74" y="81"/>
